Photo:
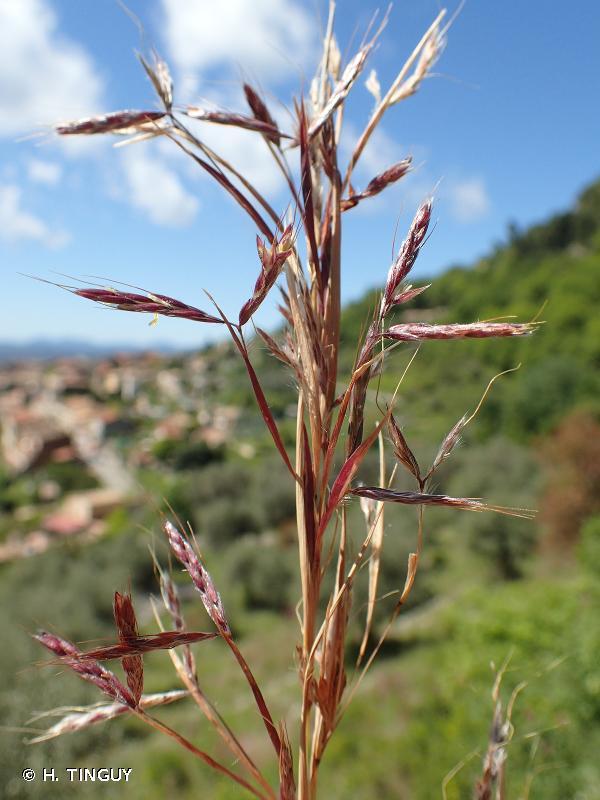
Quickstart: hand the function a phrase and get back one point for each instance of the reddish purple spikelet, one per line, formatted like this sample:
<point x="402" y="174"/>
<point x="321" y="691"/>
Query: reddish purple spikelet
<point x="406" y="256"/>
<point x="450" y="441"/>
<point x="160" y="77"/>
<point x="165" y="640"/>
<point x="92" y="715"/>
<point x="126" y="622"/>
<point x="401" y="449"/>
<point x="378" y="183"/>
<point x="87" y="668"/>
<point x="287" y="785"/>
<point x="147" y="304"/>
<point x="183" y="552"/>
<point x="272" y="260"/>
<point x="171" y="600"/>
<point x="408" y="293"/>
<point x="261" y="113"/>
<point x="116" y="122"/>
<point x="424" y="499"/>
<point x="270" y="130"/>
<point x="417" y="331"/>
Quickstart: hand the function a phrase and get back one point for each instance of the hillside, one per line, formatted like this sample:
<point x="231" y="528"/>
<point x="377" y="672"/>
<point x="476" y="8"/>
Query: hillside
<point x="548" y="272"/>
<point x="551" y="272"/>
<point x="78" y="434"/>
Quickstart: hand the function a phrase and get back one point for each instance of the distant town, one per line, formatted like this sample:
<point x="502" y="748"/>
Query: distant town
<point x="75" y="432"/>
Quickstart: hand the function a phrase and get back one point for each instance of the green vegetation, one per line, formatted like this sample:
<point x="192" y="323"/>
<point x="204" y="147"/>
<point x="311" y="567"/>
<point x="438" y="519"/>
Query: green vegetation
<point x="182" y="454"/>
<point x="551" y="271"/>
<point x="490" y="587"/>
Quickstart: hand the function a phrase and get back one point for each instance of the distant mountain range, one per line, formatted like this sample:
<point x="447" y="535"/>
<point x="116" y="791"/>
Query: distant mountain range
<point x="55" y="348"/>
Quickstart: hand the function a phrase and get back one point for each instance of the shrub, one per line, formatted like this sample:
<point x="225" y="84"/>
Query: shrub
<point x="510" y="472"/>
<point x="572" y="491"/>
<point x="184" y="455"/>
<point x="265" y="574"/>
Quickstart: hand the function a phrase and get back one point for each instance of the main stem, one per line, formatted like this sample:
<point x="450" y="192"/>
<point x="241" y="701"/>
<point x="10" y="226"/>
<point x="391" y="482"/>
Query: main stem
<point x="311" y="569"/>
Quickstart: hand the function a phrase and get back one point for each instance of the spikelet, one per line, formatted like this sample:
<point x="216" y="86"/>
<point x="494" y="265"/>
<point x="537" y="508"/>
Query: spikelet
<point x="126" y="623"/>
<point x="183" y="552"/>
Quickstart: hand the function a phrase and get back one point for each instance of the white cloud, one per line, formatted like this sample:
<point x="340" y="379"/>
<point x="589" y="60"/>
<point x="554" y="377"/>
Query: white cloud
<point x="45" y="77"/>
<point x="267" y="38"/>
<point x="469" y="199"/>
<point x="46" y="172"/>
<point x="155" y="189"/>
<point x="18" y="225"/>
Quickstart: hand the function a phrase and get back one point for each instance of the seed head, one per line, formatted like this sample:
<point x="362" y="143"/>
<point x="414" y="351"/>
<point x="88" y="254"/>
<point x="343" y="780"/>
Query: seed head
<point x="126" y="622"/>
<point x="183" y="552"/>
<point x="379" y="183"/>
<point x="146" y="304"/>
<point x="261" y="113"/>
<point x="417" y="331"/>
<point x="406" y="256"/>
<point x="272" y="260"/>
<point x="116" y="122"/>
<point x="401" y="449"/>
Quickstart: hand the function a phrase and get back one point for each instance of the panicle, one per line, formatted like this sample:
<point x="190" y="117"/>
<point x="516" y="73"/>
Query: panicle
<point x="183" y="552"/>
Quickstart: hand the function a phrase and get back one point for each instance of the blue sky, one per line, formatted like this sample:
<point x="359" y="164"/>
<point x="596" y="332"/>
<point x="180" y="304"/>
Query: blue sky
<point x="507" y="129"/>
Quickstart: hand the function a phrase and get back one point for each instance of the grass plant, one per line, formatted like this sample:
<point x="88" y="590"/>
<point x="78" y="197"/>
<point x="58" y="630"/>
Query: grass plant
<point x="299" y="251"/>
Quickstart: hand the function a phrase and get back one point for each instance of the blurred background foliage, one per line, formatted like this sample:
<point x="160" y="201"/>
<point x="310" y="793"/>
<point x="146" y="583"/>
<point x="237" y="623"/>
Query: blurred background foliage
<point x="491" y="587"/>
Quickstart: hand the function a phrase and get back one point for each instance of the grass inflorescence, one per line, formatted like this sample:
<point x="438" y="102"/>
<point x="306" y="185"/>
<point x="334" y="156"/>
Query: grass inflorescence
<point x="331" y="441"/>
